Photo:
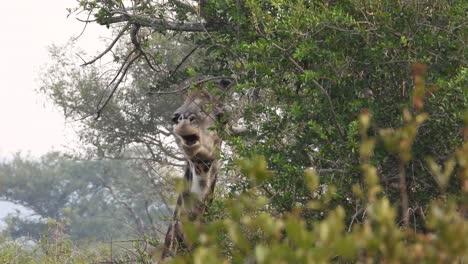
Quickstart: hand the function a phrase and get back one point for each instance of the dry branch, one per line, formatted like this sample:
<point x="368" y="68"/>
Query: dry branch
<point x="111" y="45"/>
<point x="122" y="73"/>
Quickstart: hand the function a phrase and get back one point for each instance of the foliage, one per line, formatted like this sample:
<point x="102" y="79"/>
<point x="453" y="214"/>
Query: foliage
<point x="132" y="118"/>
<point x="248" y="232"/>
<point x="318" y="65"/>
<point x="55" y="247"/>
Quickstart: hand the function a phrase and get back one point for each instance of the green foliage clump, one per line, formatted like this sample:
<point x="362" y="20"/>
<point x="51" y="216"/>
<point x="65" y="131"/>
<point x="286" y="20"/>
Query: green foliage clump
<point x="248" y="231"/>
<point x="315" y="65"/>
<point x="56" y="247"/>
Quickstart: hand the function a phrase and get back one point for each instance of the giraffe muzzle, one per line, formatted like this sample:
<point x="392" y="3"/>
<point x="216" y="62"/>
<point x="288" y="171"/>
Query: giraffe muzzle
<point x="187" y="132"/>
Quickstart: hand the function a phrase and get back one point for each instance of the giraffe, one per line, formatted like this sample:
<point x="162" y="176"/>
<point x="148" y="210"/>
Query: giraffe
<point x="200" y="146"/>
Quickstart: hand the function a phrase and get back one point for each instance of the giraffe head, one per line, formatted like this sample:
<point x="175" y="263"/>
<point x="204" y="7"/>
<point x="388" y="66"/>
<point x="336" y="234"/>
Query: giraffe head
<point x="194" y="123"/>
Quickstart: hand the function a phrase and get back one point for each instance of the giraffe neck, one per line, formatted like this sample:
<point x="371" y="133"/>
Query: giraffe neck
<point x="201" y="176"/>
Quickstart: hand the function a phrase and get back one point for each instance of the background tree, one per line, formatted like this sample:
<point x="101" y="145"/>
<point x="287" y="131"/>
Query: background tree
<point x="94" y="199"/>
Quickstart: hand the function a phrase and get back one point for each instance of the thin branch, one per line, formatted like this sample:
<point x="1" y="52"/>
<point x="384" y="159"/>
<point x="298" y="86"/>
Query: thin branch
<point x="324" y="91"/>
<point x="159" y="24"/>
<point x="330" y="171"/>
<point x="123" y="73"/>
<point x="190" y="85"/>
<point x="182" y="61"/>
<point x="134" y="38"/>
<point x="119" y="71"/>
<point x="84" y="28"/>
<point x="353" y="218"/>
<point x="109" y="47"/>
<point x="81" y="58"/>
<point x="404" y="195"/>
<point x="86" y="20"/>
<point x="133" y="214"/>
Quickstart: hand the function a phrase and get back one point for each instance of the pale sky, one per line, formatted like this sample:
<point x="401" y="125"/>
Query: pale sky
<point x="27" y="122"/>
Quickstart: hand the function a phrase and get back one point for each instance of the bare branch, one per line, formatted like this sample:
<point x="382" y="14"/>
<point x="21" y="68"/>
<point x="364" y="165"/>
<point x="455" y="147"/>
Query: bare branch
<point x="354" y="217"/>
<point x="182" y="61"/>
<point x="134" y="38"/>
<point x="188" y="86"/>
<point x="111" y="45"/>
<point x="122" y="72"/>
<point x="84" y="28"/>
<point x="86" y="20"/>
<point x="127" y="58"/>
<point x="139" y="223"/>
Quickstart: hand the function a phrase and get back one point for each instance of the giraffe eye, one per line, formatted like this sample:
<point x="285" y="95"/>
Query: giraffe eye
<point x="175" y="118"/>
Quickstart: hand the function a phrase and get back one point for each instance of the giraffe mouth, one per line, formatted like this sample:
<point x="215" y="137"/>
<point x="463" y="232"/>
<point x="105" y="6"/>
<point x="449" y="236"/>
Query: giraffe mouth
<point x="190" y="140"/>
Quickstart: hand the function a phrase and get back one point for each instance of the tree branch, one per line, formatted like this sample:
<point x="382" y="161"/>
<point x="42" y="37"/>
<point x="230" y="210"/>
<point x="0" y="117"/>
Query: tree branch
<point x="188" y="86"/>
<point x="122" y="72"/>
<point x="332" y="110"/>
<point x="139" y="223"/>
<point x="109" y="47"/>
<point x="158" y="23"/>
<point x="182" y="61"/>
<point x="134" y="38"/>
<point x="84" y="28"/>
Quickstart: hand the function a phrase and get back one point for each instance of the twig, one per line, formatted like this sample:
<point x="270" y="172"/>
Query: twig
<point x="123" y="73"/>
<point x="362" y="209"/>
<point x="324" y="91"/>
<point x="84" y="28"/>
<point x="87" y="20"/>
<point x="182" y="61"/>
<point x="330" y="170"/>
<point x="119" y="71"/>
<point x="109" y="47"/>
<point x="188" y="86"/>
<point x="404" y="195"/>
<point x="134" y="38"/>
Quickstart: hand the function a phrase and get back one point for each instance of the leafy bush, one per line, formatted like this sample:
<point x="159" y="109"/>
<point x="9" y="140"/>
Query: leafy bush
<point x="249" y="231"/>
<point x="56" y="247"/>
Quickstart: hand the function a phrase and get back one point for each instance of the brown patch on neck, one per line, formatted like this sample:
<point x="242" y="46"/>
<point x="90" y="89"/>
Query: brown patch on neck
<point x="199" y="94"/>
